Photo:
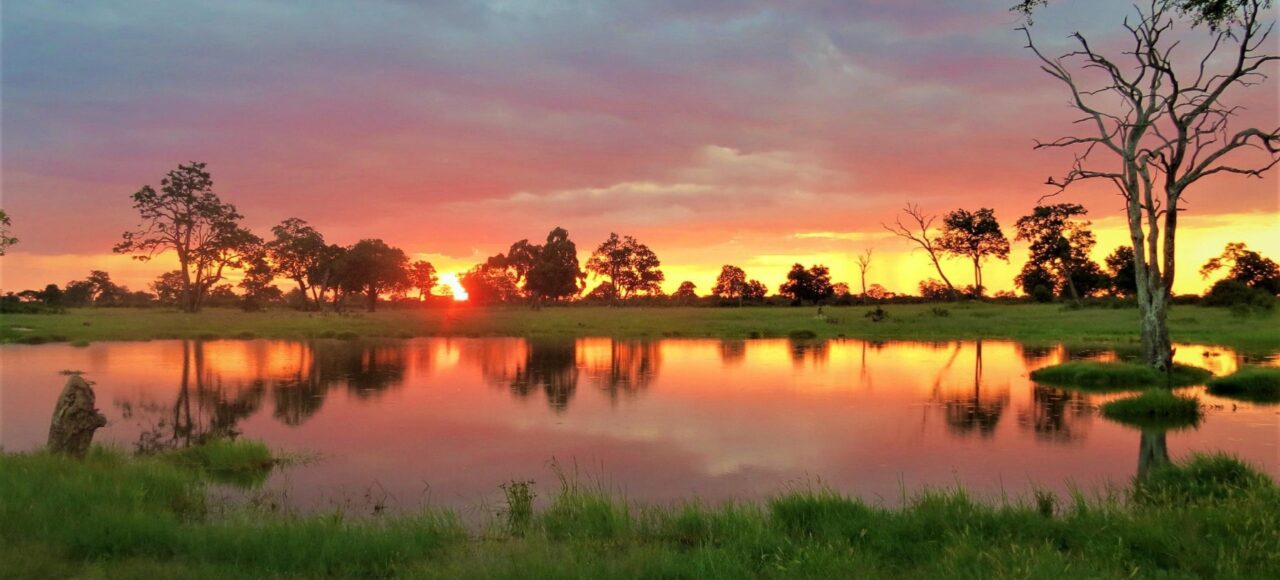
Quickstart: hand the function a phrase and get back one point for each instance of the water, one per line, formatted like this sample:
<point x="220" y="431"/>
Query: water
<point x="445" y="421"/>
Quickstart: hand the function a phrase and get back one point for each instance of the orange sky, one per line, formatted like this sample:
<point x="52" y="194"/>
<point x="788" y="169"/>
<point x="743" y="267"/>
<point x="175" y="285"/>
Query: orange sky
<point x="746" y="132"/>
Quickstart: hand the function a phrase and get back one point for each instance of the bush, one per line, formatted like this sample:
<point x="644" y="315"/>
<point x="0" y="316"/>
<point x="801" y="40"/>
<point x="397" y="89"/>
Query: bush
<point x="1257" y="384"/>
<point x="1100" y="375"/>
<point x="1155" y="408"/>
<point x="1239" y="297"/>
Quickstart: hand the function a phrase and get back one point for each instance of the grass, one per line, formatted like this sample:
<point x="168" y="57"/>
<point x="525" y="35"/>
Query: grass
<point x="114" y="516"/>
<point x="1256" y="384"/>
<point x="1110" y="376"/>
<point x="243" y="463"/>
<point x="1030" y="323"/>
<point x="1155" y="408"/>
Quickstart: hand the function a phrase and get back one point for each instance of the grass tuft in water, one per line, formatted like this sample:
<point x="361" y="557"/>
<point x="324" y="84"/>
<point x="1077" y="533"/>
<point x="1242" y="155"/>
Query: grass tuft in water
<point x="1155" y="408"/>
<point x="241" y="462"/>
<point x="1116" y="375"/>
<point x="1256" y="384"/>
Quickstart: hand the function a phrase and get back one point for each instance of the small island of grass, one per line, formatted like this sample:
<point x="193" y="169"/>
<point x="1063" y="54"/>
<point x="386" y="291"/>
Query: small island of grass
<point x="1117" y="375"/>
<point x="1255" y="384"/>
<point x="1155" y="408"/>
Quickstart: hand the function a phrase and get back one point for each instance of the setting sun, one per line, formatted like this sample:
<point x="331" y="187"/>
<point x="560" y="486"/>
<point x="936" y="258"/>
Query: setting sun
<point x="450" y="280"/>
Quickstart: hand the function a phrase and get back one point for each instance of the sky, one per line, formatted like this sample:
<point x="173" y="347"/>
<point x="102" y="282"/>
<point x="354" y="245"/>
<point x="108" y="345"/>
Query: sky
<point x="721" y="132"/>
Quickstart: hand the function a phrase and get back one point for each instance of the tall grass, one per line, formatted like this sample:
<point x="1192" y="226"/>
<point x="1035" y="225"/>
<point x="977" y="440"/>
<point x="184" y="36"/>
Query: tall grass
<point x="113" y="516"/>
<point x="1117" y="375"/>
<point x="1257" y="384"/>
<point x="1155" y="408"/>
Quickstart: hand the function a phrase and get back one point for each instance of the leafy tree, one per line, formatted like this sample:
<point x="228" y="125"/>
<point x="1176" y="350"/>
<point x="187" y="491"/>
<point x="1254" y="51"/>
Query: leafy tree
<point x="923" y="238"/>
<point x="1037" y="282"/>
<point x="686" y="293"/>
<point x="257" y="284"/>
<point x="813" y="285"/>
<point x="325" y="275"/>
<point x="1247" y="267"/>
<point x="553" y="272"/>
<point x="630" y="266"/>
<point x="168" y="287"/>
<point x="6" y="239"/>
<point x="731" y="284"/>
<point x="422" y="275"/>
<point x="1059" y="245"/>
<point x="372" y="267"/>
<point x="487" y="284"/>
<point x="755" y="291"/>
<point x="877" y="292"/>
<point x="297" y="251"/>
<point x="1124" y="280"/>
<point x="51" y="295"/>
<point x="1156" y="122"/>
<point x="933" y="289"/>
<point x="976" y="236"/>
<point x="188" y="218"/>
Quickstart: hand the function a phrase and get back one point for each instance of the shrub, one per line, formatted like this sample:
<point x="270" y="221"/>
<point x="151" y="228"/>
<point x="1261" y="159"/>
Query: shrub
<point x="1202" y="478"/>
<point x="1258" y="384"/>
<point x="1239" y="297"/>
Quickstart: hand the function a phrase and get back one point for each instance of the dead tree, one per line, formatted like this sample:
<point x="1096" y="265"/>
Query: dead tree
<point x="75" y="418"/>
<point x="923" y="239"/>
<point x="1155" y="127"/>
<point x="864" y="264"/>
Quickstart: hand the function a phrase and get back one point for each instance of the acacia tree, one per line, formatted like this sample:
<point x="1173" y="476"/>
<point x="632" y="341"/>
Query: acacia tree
<point x="1157" y="125"/>
<point x="187" y="217"/>
<point x="976" y="236"/>
<point x="813" y="284"/>
<point x="296" y="251"/>
<point x="630" y="266"/>
<point x="1246" y="267"/>
<point x="923" y="239"/>
<point x="422" y="275"/>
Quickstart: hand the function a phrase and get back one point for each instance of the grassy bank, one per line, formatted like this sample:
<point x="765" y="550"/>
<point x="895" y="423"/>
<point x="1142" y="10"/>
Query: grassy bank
<point x="114" y="516"/>
<point x="1033" y="323"/>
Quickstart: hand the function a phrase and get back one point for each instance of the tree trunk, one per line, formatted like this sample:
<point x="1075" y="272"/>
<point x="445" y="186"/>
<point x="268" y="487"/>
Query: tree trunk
<point x="373" y="299"/>
<point x="1157" y="350"/>
<point x="1153" y="452"/>
<point x="74" y="419"/>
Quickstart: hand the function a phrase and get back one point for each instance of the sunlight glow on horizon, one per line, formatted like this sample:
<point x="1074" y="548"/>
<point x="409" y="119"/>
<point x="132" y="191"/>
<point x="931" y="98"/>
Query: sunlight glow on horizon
<point x="450" y="281"/>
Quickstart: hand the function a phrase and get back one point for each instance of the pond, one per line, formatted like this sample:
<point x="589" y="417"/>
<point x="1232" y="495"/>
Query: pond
<point x="445" y="421"/>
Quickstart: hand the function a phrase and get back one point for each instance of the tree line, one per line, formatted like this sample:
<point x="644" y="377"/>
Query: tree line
<point x="187" y="218"/>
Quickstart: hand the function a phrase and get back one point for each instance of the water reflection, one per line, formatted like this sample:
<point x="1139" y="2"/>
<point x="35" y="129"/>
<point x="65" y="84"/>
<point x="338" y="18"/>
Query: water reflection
<point x="664" y="418"/>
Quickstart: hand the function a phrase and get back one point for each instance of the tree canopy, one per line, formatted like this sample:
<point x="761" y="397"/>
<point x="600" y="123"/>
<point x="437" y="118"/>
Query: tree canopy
<point x="630" y="266"/>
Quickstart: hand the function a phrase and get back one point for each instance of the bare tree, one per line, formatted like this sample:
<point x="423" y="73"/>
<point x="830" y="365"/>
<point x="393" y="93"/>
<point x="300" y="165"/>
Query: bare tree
<point x="923" y="239"/>
<point x="864" y="264"/>
<point x="1156" y="127"/>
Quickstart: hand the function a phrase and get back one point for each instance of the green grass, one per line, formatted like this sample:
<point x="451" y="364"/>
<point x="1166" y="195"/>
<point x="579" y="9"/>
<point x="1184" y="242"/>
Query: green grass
<point x="243" y="463"/>
<point x="113" y="516"/>
<point x="1031" y="323"/>
<point x="1257" y="384"/>
<point x="1155" y="408"/>
<point x="1112" y="376"/>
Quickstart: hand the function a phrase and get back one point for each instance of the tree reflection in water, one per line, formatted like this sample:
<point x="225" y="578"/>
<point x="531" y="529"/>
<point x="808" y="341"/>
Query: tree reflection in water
<point x="1153" y="451"/>
<point x="976" y="410"/>
<point x="553" y="367"/>
<point x="623" y="367"/>
<point x="1056" y="415"/>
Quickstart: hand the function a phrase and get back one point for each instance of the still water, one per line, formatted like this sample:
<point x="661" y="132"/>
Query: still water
<point x="444" y="422"/>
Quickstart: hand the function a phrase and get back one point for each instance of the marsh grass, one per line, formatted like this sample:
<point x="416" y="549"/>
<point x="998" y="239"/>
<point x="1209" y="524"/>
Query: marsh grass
<point x="117" y="516"/>
<point x="243" y="463"/>
<point x="1155" y="408"/>
<point x="1113" y="376"/>
<point x="1256" y="384"/>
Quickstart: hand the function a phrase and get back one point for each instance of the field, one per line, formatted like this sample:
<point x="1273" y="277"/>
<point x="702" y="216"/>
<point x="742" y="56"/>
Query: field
<point x="148" y="517"/>
<point x="1032" y="323"/>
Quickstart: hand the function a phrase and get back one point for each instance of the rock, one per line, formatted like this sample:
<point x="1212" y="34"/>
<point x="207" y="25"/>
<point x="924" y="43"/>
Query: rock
<point x="74" y="419"/>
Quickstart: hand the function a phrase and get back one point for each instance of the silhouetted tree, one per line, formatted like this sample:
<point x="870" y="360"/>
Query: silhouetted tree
<point x="373" y="267"/>
<point x="1059" y="246"/>
<point x="631" y="267"/>
<point x="686" y="293"/>
<point x="1123" y="273"/>
<point x="864" y="264"/>
<point x="6" y="237"/>
<point x="488" y="283"/>
<point x="324" y="275"/>
<point x="186" y="216"/>
<point x="1246" y="267"/>
<point x="257" y="283"/>
<point x="813" y="284"/>
<point x="168" y="287"/>
<point x="1161" y="126"/>
<point x="923" y="239"/>
<point x="731" y="284"/>
<point x="755" y="292"/>
<point x="554" y="273"/>
<point x="976" y="236"/>
<point x="422" y="275"/>
<point x="297" y="251"/>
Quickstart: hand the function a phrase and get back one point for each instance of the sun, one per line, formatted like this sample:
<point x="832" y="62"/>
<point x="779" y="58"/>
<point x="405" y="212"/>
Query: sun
<point x="450" y="281"/>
